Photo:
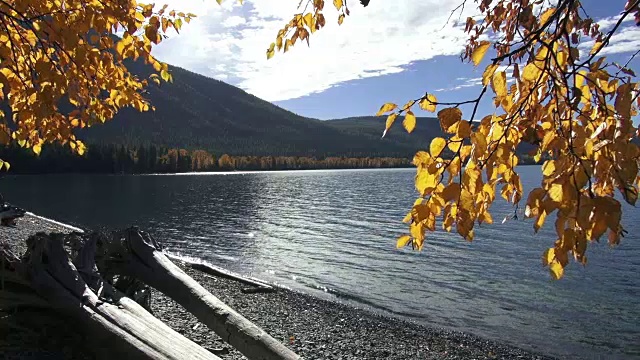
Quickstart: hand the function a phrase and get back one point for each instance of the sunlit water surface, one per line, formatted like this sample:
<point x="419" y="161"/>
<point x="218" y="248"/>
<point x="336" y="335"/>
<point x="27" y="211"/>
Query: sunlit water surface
<point x="333" y="233"/>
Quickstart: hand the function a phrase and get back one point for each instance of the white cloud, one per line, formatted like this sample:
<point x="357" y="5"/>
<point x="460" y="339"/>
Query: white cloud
<point x="625" y="40"/>
<point x="233" y="21"/>
<point x="473" y="82"/>
<point x="466" y="82"/>
<point x="230" y="42"/>
<point x="608" y="22"/>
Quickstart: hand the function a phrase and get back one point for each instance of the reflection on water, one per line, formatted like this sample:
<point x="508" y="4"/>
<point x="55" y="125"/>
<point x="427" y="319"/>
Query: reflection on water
<point x="335" y="231"/>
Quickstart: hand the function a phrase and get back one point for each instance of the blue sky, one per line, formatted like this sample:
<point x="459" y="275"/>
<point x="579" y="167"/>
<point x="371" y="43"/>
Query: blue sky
<point x="390" y="51"/>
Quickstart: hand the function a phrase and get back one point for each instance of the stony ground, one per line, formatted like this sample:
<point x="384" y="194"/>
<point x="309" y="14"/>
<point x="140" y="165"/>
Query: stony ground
<point x="314" y="328"/>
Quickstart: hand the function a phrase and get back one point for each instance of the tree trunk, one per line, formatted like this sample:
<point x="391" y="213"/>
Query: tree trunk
<point x="135" y="253"/>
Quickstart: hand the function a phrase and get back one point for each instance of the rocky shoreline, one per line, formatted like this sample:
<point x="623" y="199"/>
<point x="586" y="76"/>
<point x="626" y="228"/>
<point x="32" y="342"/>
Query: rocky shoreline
<point x="313" y="328"/>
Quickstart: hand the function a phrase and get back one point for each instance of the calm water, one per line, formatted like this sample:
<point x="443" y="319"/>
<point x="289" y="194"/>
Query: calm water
<point x="333" y="232"/>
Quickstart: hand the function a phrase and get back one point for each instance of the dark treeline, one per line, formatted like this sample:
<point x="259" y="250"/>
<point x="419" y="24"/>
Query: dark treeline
<point x="119" y="159"/>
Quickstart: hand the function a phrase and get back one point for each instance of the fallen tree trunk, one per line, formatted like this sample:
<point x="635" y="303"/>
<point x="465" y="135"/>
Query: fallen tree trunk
<point x="135" y="253"/>
<point x="223" y="273"/>
<point x="116" y="324"/>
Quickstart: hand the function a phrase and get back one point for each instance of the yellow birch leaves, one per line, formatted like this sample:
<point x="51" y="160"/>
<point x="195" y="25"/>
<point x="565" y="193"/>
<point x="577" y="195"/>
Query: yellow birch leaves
<point x="409" y="121"/>
<point x="59" y="55"/>
<point x="437" y="145"/>
<point x="576" y="116"/>
<point x="428" y="103"/>
<point x="479" y="52"/>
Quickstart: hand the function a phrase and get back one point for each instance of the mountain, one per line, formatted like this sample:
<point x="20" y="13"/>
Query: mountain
<point x="371" y="127"/>
<point x="197" y="112"/>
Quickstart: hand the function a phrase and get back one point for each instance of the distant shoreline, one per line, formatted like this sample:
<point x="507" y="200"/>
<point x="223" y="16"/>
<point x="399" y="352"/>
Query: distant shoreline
<point x="221" y="172"/>
<point x="215" y="172"/>
<point x="159" y="160"/>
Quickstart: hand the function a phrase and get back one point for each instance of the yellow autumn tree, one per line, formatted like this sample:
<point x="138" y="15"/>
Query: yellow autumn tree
<point x="62" y="67"/>
<point x="575" y="107"/>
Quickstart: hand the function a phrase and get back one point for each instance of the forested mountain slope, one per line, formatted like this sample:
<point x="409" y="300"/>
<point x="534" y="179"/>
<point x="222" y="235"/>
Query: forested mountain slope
<point x="197" y="112"/>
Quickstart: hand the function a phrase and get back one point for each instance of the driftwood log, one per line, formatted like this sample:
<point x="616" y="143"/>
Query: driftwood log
<point x="257" y="285"/>
<point x="118" y="326"/>
<point x="136" y="254"/>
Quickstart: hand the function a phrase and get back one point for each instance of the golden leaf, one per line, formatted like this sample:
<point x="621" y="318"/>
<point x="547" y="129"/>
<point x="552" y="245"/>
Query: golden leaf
<point x="465" y="226"/>
<point x="422" y="158"/>
<point x="540" y="221"/>
<point x="485" y="217"/>
<point x="403" y="241"/>
<point x="596" y="47"/>
<point x="80" y="148"/>
<point x="417" y="231"/>
<point x="390" y="120"/>
<point x="556" y="193"/>
<point x="488" y="74"/>
<point x="308" y="20"/>
<point x="499" y="84"/>
<point x="165" y="75"/>
<point x="480" y="144"/>
<point x="465" y="151"/>
<point x="271" y="50"/>
<point x="287" y="45"/>
<point x="531" y="72"/>
<point x="409" y="121"/>
<point x="556" y="269"/>
<point x="338" y="4"/>
<point x="548" y="168"/>
<point x="386" y="108"/>
<point x="549" y="256"/>
<point x="425" y="182"/>
<point x="454" y="146"/>
<point x="546" y="15"/>
<point x="479" y="52"/>
<point x="437" y="145"/>
<point x="428" y="103"/>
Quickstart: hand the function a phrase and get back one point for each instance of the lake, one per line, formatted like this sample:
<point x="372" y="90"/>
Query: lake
<point x="332" y="233"/>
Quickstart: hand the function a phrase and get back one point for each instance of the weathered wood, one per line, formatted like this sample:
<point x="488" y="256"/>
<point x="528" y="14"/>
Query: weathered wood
<point x="135" y="253"/>
<point x="122" y="328"/>
<point x="223" y="273"/>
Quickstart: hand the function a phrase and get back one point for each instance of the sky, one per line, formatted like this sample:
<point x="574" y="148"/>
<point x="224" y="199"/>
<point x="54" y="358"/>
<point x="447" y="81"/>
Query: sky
<point x="390" y="51"/>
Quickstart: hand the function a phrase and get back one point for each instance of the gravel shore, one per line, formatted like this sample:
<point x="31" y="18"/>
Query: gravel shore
<point x="313" y="328"/>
